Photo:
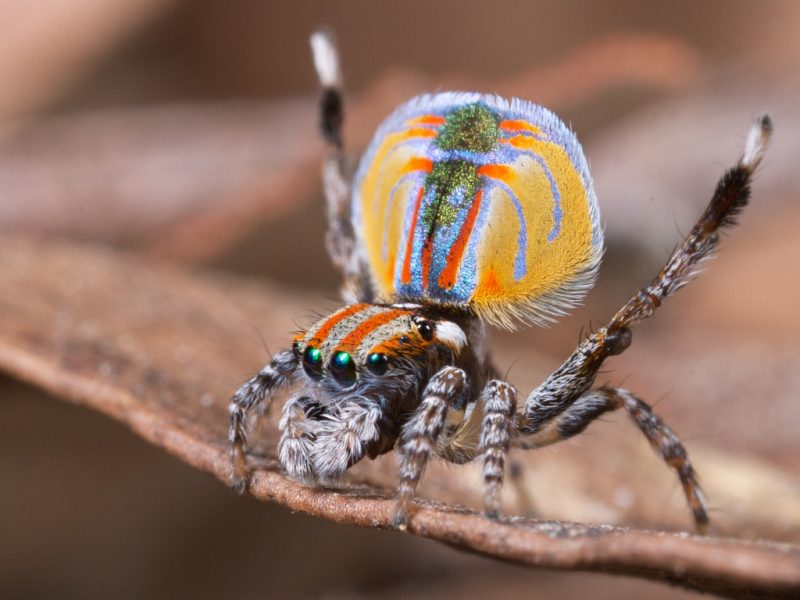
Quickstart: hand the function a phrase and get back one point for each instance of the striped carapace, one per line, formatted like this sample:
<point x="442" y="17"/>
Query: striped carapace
<point x="466" y="209"/>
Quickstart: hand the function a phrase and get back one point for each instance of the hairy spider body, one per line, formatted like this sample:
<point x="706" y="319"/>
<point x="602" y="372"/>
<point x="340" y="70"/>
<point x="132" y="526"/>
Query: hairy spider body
<point x="466" y="209"/>
<point x="365" y="368"/>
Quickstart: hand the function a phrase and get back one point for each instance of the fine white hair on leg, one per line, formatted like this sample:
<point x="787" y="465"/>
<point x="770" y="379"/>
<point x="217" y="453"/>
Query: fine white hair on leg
<point x="421" y="434"/>
<point x="757" y="141"/>
<point x="326" y="59"/>
<point x="499" y="401"/>
<point x="253" y="397"/>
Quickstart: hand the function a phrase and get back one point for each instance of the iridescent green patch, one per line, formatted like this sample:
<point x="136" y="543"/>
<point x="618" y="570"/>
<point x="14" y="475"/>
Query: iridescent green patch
<point x="471" y="127"/>
<point x="446" y="177"/>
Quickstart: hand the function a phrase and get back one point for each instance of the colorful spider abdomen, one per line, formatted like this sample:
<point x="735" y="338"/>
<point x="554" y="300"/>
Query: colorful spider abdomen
<point x="472" y="200"/>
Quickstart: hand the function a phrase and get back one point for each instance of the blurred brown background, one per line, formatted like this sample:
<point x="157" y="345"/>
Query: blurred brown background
<point x="184" y="131"/>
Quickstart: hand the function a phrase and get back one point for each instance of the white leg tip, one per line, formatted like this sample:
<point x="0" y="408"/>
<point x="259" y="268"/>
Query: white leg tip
<point x="757" y="141"/>
<point x="326" y="59"/>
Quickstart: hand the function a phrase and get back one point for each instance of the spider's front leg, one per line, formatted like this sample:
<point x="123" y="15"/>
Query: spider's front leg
<point x="499" y="402"/>
<point x="485" y="432"/>
<point x="249" y="398"/>
<point x="563" y="393"/>
<point x="447" y="388"/>
<point x="340" y="239"/>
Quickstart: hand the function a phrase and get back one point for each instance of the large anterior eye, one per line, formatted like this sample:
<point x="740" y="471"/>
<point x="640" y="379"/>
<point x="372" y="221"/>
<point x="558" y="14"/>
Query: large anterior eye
<point x="377" y="363"/>
<point x="343" y="367"/>
<point x="312" y="362"/>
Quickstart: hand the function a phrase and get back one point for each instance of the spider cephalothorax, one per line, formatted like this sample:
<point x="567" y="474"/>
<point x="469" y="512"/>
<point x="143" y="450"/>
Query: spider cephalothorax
<point x="466" y="209"/>
<point x="364" y="368"/>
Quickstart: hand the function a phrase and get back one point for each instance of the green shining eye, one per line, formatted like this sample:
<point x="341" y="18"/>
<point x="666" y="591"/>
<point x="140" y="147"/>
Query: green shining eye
<point x="312" y="362"/>
<point x="378" y="363"/>
<point x="343" y="367"/>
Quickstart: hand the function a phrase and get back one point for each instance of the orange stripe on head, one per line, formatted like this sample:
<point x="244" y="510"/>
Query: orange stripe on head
<point x="515" y="125"/>
<point x="447" y="278"/>
<point x="355" y="337"/>
<point x="426" y="120"/>
<point x="405" y="276"/>
<point x="412" y="344"/>
<point x="336" y="318"/>
<point x="390" y="347"/>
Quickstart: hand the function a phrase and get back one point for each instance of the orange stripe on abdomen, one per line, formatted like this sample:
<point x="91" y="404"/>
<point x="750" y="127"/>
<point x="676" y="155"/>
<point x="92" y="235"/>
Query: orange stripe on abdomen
<point x="418" y="132"/>
<point x="447" y="278"/>
<point x="426" y="120"/>
<point x="501" y="172"/>
<point x="488" y="286"/>
<point x="425" y="261"/>
<point x="355" y="337"/>
<point x="516" y="125"/>
<point x="405" y="276"/>
<point x="418" y="164"/>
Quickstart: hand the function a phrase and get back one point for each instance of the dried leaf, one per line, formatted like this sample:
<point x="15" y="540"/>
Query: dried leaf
<point x="160" y="349"/>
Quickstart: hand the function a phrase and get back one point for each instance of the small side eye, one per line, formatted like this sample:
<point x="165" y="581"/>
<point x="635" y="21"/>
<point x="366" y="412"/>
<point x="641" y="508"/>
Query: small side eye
<point x="343" y="368"/>
<point x="312" y="362"/>
<point x="377" y="363"/>
<point x="296" y="348"/>
<point x="425" y="329"/>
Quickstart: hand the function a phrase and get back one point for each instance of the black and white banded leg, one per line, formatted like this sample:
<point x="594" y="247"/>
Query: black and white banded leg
<point x="448" y="387"/>
<point x="594" y="403"/>
<point x="667" y="444"/>
<point x="566" y="385"/>
<point x="340" y="238"/>
<point x="250" y="398"/>
<point x="499" y="401"/>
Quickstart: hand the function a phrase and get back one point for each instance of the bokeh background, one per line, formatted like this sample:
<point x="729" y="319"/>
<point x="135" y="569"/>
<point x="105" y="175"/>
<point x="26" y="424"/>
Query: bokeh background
<point x="183" y="131"/>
